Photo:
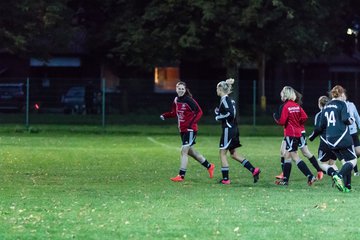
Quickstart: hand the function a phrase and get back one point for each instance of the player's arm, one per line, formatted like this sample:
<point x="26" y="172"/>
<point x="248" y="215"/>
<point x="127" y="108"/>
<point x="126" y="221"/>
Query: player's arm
<point x="317" y="128"/>
<point x="170" y="114"/>
<point x="356" y="116"/>
<point x="196" y="109"/>
<point x="283" y="117"/>
<point x="226" y="110"/>
<point x="345" y="116"/>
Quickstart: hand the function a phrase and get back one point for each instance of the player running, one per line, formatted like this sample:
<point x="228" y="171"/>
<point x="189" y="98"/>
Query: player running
<point x="188" y="112"/>
<point x="292" y="117"/>
<point x="335" y="120"/>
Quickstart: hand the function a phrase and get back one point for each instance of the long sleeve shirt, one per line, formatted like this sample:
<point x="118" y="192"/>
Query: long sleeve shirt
<point x="188" y="112"/>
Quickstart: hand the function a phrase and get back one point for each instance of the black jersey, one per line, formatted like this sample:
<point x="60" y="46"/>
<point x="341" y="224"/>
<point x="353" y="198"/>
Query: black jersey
<point x="318" y="131"/>
<point x="335" y="120"/>
<point x="227" y="112"/>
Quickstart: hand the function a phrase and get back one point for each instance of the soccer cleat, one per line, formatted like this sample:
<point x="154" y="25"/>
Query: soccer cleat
<point x="311" y="180"/>
<point x="211" y="170"/>
<point x="256" y="174"/>
<point x="178" y="178"/>
<point x="356" y="174"/>
<point x="346" y="190"/>
<point x="281" y="182"/>
<point x="225" y="182"/>
<point x="339" y="183"/>
<point x="320" y="175"/>
<point x="280" y="176"/>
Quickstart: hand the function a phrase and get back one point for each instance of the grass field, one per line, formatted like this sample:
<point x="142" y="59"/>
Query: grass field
<point x="85" y="183"/>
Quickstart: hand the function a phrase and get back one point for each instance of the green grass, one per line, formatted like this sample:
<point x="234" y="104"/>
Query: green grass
<point x="89" y="183"/>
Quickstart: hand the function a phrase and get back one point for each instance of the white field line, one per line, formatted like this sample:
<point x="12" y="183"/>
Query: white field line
<point x="161" y="144"/>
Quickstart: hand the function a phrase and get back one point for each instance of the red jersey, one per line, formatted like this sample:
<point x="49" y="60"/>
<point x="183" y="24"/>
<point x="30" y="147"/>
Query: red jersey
<point x="187" y="111"/>
<point x="292" y="117"/>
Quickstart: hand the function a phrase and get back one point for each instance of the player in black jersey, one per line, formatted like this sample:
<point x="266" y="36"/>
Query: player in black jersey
<point x="335" y="119"/>
<point x="230" y="140"/>
<point x="326" y="157"/>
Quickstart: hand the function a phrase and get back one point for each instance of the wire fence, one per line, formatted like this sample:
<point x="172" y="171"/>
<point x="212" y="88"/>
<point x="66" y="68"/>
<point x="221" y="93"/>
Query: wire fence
<point x="34" y="101"/>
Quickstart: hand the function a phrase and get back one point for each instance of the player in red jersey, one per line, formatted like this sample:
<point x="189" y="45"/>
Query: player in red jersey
<point x="302" y="146"/>
<point x="292" y="117"/>
<point x="188" y="112"/>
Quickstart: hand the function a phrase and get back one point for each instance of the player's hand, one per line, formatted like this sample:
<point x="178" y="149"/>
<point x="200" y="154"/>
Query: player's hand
<point x="162" y="117"/>
<point x="217" y="118"/>
<point x="311" y="137"/>
<point x="216" y="110"/>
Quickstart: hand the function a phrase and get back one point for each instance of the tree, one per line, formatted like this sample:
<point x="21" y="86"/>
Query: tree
<point x="145" y="33"/>
<point x="285" y="31"/>
<point x="33" y="27"/>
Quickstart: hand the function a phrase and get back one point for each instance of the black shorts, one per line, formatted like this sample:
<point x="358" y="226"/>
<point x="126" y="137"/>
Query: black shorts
<point x="188" y="138"/>
<point x="302" y="142"/>
<point x="347" y="154"/>
<point x="325" y="153"/>
<point x="355" y="139"/>
<point x="292" y="143"/>
<point x="230" y="138"/>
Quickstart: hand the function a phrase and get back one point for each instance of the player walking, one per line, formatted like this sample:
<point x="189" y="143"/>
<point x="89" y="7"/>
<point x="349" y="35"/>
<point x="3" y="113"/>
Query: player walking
<point x="230" y="138"/>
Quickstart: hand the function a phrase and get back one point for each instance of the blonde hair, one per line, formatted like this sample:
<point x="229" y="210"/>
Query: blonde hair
<point x="226" y="86"/>
<point x="323" y="100"/>
<point x="288" y="93"/>
<point x="337" y="91"/>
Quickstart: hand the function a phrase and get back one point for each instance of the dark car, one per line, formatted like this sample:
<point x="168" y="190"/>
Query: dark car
<point x="74" y="100"/>
<point x="12" y="97"/>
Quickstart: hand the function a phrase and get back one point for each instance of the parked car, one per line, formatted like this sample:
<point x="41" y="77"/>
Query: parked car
<point x="12" y="97"/>
<point x="74" y="101"/>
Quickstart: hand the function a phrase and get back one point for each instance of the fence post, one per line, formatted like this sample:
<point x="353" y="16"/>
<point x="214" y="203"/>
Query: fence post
<point x="103" y="101"/>
<point x="254" y="103"/>
<point x="27" y="104"/>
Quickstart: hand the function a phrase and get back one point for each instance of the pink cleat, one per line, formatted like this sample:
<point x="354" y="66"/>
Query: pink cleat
<point x="178" y="178"/>
<point x="211" y="170"/>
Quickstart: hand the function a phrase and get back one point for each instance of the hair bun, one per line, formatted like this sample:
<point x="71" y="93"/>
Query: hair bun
<point x="230" y="81"/>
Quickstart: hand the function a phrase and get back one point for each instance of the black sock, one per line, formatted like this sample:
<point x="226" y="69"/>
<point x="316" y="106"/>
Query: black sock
<point x="346" y="169"/>
<point x="248" y="165"/>
<point x="315" y="163"/>
<point x="225" y="173"/>
<point x="347" y="180"/>
<point x="356" y="168"/>
<point x="206" y="164"/>
<point x="304" y="168"/>
<point x="182" y="172"/>
<point x="287" y="170"/>
<point x="331" y="172"/>
<point x="282" y="159"/>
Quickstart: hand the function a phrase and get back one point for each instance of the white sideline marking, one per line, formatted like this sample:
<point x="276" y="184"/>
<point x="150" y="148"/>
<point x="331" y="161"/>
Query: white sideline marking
<point x="161" y="144"/>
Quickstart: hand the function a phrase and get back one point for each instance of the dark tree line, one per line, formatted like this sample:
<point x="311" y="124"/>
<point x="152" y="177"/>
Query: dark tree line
<point x="150" y="32"/>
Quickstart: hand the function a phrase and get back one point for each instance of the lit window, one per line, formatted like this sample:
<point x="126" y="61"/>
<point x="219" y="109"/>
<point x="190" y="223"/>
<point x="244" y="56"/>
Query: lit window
<point x="166" y="79"/>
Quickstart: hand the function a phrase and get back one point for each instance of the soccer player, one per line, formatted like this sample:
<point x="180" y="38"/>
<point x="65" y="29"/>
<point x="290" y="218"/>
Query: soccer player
<point x="230" y="138"/>
<point x="325" y="156"/>
<point x="302" y="145"/>
<point x="292" y="117"/>
<point x="353" y="130"/>
<point x="335" y="120"/>
<point x="188" y="112"/>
